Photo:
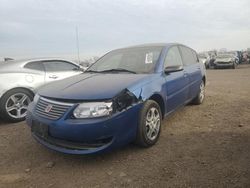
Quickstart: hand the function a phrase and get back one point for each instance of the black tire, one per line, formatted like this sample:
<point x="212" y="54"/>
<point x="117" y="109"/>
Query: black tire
<point x="201" y="95"/>
<point x="5" y="98"/>
<point x="141" y="138"/>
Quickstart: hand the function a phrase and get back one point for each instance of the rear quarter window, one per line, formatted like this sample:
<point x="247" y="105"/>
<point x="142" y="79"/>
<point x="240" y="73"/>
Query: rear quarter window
<point x="36" y="65"/>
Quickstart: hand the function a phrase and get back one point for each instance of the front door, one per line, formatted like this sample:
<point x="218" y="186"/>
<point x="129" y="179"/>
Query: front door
<point x="176" y="82"/>
<point x="57" y="70"/>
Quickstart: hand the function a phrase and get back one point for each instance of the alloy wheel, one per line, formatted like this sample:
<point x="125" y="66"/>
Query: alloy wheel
<point x="17" y="104"/>
<point x="152" y="123"/>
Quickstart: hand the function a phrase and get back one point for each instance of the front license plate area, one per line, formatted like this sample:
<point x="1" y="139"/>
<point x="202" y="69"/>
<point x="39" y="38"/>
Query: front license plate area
<point x="40" y="129"/>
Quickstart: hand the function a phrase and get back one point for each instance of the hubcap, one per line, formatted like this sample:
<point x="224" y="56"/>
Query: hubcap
<point x="202" y="92"/>
<point x="17" y="105"/>
<point x="152" y="123"/>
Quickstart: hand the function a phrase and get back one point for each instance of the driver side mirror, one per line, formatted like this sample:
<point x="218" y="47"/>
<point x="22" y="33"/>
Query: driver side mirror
<point x="170" y="69"/>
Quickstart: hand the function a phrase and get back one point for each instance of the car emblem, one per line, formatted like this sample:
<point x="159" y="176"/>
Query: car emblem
<point x="48" y="108"/>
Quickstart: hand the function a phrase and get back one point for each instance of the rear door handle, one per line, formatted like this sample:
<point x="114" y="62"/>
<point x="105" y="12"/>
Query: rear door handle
<point x="53" y="76"/>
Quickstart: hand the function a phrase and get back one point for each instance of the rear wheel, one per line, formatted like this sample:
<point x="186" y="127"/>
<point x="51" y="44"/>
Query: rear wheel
<point x="149" y="126"/>
<point x="14" y="104"/>
<point x="201" y="95"/>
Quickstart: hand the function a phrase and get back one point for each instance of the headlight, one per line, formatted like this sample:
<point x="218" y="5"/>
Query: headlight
<point x="93" y="109"/>
<point x="36" y="98"/>
<point x="124" y="100"/>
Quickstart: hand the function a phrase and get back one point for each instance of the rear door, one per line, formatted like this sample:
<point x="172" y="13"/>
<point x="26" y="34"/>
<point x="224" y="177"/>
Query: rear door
<point x="57" y="70"/>
<point x="193" y="69"/>
<point x="176" y="82"/>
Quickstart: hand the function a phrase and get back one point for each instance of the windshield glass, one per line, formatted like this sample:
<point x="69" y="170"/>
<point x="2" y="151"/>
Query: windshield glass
<point x="138" y="60"/>
<point x="224" y="56"/>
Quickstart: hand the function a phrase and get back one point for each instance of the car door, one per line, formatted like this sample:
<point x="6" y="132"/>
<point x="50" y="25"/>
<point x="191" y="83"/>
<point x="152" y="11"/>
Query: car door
<point x="57" y="70"/>
<point x="176" y="82"/>
<point x="35" y="77"/>
<point x="193" y="69"/>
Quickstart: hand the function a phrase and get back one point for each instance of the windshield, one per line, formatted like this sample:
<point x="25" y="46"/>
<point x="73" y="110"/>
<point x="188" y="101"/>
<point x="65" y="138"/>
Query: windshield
<point x="225" y="56"/>
<point x="137" y="60"/>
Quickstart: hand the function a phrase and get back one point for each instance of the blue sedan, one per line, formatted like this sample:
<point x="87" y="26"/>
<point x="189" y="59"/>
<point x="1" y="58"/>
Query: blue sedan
<point x="121" y="98"/>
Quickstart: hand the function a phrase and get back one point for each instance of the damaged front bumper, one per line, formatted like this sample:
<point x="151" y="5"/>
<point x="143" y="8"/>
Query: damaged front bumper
<point x="85" y="136"/>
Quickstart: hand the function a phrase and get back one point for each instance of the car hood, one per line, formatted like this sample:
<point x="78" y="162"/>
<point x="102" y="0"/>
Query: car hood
<point x="92" y="86"/>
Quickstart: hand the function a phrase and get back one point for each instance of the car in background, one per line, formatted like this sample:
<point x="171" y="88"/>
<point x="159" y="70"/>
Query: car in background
<point x="121" y="98"/>
<point x="20" y="79"/>
<point x="226" y="60"/>
<point x="239" y="55"/>
<point x="205" y="59"/>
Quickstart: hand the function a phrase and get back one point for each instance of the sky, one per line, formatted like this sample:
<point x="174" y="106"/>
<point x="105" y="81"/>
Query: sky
<point x="47" y="28"/>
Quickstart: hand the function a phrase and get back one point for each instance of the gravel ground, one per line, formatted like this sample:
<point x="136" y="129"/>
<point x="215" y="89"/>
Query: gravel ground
<point x="200" y="146"/>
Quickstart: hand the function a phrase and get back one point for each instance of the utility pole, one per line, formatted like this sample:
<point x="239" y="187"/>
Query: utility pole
<point x="77" y="45"/>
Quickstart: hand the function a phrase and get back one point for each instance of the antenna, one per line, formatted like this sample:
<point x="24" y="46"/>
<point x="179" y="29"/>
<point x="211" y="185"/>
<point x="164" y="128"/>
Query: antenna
<point x="77" y="45"/>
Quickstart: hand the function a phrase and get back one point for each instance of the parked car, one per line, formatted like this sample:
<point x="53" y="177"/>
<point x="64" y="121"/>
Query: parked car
<point x="205" y="59"/>
<point x="121" y="98"/>
<point x="212" y="56"/>
<point x="20" y="80"/>
<point x="225" y="60"/>
<point x="239" y="55"/>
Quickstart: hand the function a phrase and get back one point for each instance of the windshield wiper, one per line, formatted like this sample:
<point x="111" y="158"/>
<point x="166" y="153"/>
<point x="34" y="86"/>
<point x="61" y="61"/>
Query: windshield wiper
<point x="119" y="70"/>
<point x="92" y="71"/>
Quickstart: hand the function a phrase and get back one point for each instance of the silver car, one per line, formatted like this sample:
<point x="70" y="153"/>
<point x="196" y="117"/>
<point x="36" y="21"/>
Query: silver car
<point x="19" y="81"/>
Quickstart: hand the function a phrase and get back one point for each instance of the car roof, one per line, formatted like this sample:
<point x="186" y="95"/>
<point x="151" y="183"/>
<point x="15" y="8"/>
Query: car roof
<point x="152" y="45"/>
<point x="18" y="64"/>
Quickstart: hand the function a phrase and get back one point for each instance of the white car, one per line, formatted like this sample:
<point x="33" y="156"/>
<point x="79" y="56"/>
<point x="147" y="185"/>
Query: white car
<point x="19" y="81"/>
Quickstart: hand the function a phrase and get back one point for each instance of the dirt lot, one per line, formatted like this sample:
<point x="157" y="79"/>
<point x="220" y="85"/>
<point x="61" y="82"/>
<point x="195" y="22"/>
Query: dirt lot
<point x="200" y="146"/>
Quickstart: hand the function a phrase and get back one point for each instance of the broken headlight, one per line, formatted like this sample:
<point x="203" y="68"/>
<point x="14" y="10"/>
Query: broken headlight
<point x="124" y="100"/>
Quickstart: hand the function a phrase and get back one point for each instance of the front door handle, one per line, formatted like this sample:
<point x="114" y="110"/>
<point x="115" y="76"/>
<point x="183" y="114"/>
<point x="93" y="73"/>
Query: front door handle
<point x="53" y="76"/>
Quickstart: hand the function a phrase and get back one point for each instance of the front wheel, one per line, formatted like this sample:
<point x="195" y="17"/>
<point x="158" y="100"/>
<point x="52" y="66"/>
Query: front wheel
<point x="149" y="126"/>
<point x="201" y="95"/>
<point x="14" y="104"/>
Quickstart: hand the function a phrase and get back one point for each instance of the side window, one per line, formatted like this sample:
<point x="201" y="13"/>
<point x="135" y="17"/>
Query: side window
<point x="58" y="66"/>
<point x="188" y="56"/>
<point x="36" y="65"/>
<point x="173" y="57"/>
<point x="195" y="56"/>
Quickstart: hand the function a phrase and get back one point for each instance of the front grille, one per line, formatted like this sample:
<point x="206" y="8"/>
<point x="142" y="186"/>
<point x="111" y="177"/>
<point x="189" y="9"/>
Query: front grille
<point x="50" y="109"/>
<point x="223" y="62"/>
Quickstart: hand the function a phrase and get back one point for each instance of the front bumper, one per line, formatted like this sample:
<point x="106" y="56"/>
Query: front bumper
<point x="223" y="64"/>
<point x="84" y="136"/>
